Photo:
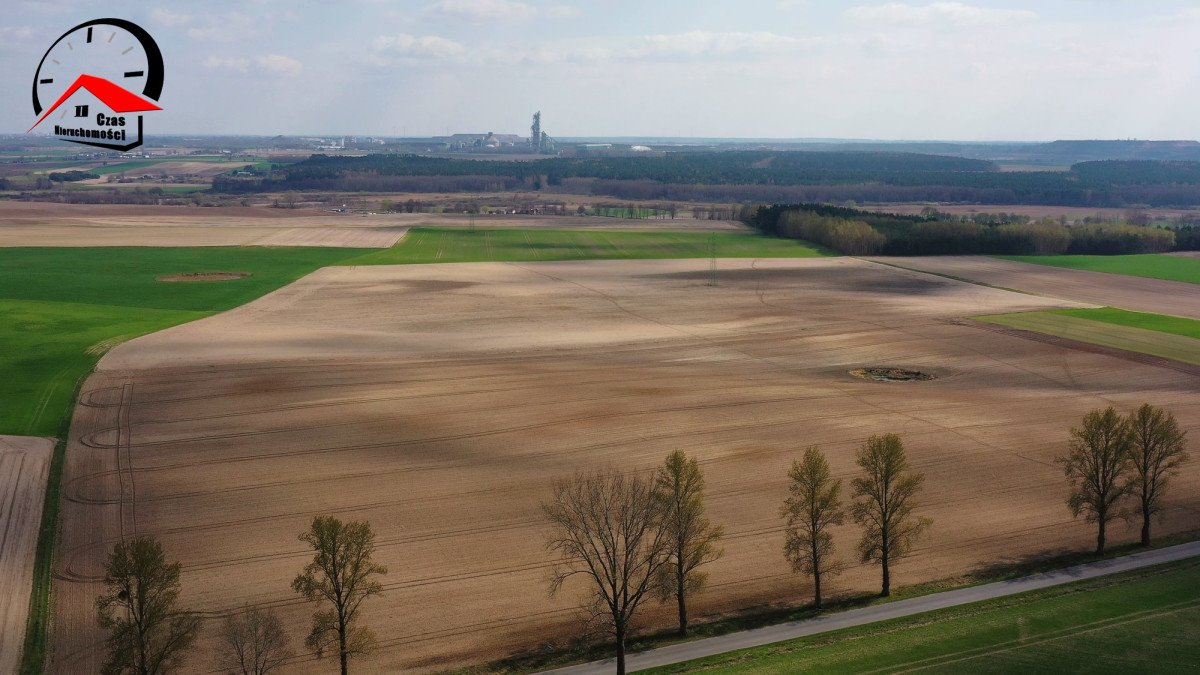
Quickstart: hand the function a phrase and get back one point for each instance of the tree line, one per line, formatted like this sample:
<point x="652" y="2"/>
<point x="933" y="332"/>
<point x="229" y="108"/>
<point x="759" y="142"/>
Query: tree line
<point x="750" y="176"/>
<point x="633" y="538"/>
<point x="856" y="232"/>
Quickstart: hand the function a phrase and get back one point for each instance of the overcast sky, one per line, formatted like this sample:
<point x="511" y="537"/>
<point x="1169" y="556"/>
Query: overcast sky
<point x="970" y="70"/>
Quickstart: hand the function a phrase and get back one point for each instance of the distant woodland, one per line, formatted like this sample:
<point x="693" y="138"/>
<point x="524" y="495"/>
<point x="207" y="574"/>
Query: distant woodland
<point x="750" y="176"/>
<point x="857" y="232"/>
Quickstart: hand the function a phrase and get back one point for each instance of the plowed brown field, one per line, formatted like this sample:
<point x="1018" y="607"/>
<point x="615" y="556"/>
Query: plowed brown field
<point x="1139" y="294"/>
<point x="24" y="465"/>
<point x="46" y="224"/>
<point x="441" y="401"/>
<point x="43" y="224"/>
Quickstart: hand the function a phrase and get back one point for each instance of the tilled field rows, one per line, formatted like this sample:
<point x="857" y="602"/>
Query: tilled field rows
<point x="24" y="466"/>
<point x="462" y="392"/>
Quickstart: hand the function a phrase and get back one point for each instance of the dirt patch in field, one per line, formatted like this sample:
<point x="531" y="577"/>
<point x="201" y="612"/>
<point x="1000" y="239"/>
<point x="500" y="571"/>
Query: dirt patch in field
<point x="24" y="466"/>
<point x="203" y="276"/>
<point x="445" y="418"/>
<point x="877" y="374"/>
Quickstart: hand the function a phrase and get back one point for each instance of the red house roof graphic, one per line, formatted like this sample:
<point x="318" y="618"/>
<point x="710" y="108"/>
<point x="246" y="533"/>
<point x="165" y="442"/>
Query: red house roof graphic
<point x="118" y="99"/>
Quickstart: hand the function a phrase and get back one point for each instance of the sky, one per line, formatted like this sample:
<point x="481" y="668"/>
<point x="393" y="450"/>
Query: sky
<point x="974" y="70"/>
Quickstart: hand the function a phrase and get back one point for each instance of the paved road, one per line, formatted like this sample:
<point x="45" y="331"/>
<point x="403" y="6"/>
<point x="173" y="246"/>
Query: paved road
<point x="857" y="617"/>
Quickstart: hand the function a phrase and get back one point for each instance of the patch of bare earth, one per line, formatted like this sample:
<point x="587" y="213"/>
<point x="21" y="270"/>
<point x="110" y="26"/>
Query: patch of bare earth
<point x="24" y="467"/>
<point x="203" y="276"/>
<point x="43" y="224"/>
<point x="440" y="402"/>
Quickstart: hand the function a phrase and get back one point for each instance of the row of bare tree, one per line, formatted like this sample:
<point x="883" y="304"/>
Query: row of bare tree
<point x="635" y="537"/>
<point x="1119" y="466"/>
<point x="632" y="537"/>
<point x="150" y="635"/>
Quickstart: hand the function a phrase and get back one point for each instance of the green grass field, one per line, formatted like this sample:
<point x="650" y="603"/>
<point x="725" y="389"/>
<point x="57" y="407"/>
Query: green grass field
<point x="444" y="245"/>
<point x="1142" y="621"/>
<point x="1168" y="267"/>
<point x="1122" y="317"/>
<point x="63" y="306"/>
<point x="1154" y="334"/>
<point x="135" y="164"/>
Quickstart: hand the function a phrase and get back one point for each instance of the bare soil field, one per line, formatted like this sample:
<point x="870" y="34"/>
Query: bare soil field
<point x="440" y="402"/>
<point x="1033" y="211"/>
<point x="24" y="466"/>
<point x="46" y="224"/>
<point x="1139" y="294"/>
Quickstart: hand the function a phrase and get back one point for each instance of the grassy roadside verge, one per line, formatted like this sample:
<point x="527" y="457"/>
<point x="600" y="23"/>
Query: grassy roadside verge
<point x="794" y="611"/>
<point x="446" y="245"/>
<point x="1139" y="620"/>
<point x="37" y="623"/>
<point x="1150" y="265"/>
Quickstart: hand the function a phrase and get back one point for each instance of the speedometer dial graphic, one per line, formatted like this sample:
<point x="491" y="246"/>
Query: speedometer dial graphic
<point x="116" y="62"/>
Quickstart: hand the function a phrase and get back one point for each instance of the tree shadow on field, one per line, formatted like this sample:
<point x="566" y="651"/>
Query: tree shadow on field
<point x="1055" y="559"/>
<point x="839" y="278"/>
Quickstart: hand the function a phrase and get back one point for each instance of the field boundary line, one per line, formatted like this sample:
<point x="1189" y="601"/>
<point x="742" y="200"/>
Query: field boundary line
<point x="125" y="468"/>
<point x="964" y="280"/>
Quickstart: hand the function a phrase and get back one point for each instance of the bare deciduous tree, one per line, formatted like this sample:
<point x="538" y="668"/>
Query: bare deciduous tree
<point x="341" y="574"/>
<point x="886" y="503"/>
<point x="148" y="633"/>
<point x="691" y="538"/>
<point x="607" y="528"/>
<point x="253" y="642"/>
<point x="1158" y="450"/>
<point x="814" y="507"/>
<point x="1096" y="465"/>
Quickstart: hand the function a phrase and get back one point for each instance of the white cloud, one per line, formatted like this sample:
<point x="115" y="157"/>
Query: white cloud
<point x="705" y="43"/>
<point x="498" y="10"/>
<point x="667" y="47"/>
<point x="561" y="11"/>
<point x="168" y="18"/>
<point x="273" y="64"/>
<point x="484" y="10"/>
<point x="15" y="33"/>
<point x="232" y="63"/>
<point x="404" y="45"/>
<point x="229" y="27"/>
<point x="956" y="13"/>
<point x="277" y="64"/>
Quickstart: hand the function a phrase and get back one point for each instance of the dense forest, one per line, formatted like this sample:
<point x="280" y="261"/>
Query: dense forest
<point x="761" y="176"/>
<point x="858" y="232"/>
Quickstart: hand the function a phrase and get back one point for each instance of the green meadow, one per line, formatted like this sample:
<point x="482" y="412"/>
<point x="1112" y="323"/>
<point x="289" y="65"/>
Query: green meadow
<point x="1168" y="337"/>
<point x="444" y="245"/>
<point x="1154" y="266"/>
<point x="1174" y="325"/>
<point x="1142" y="621"/>
<point x="63" y="307"/>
